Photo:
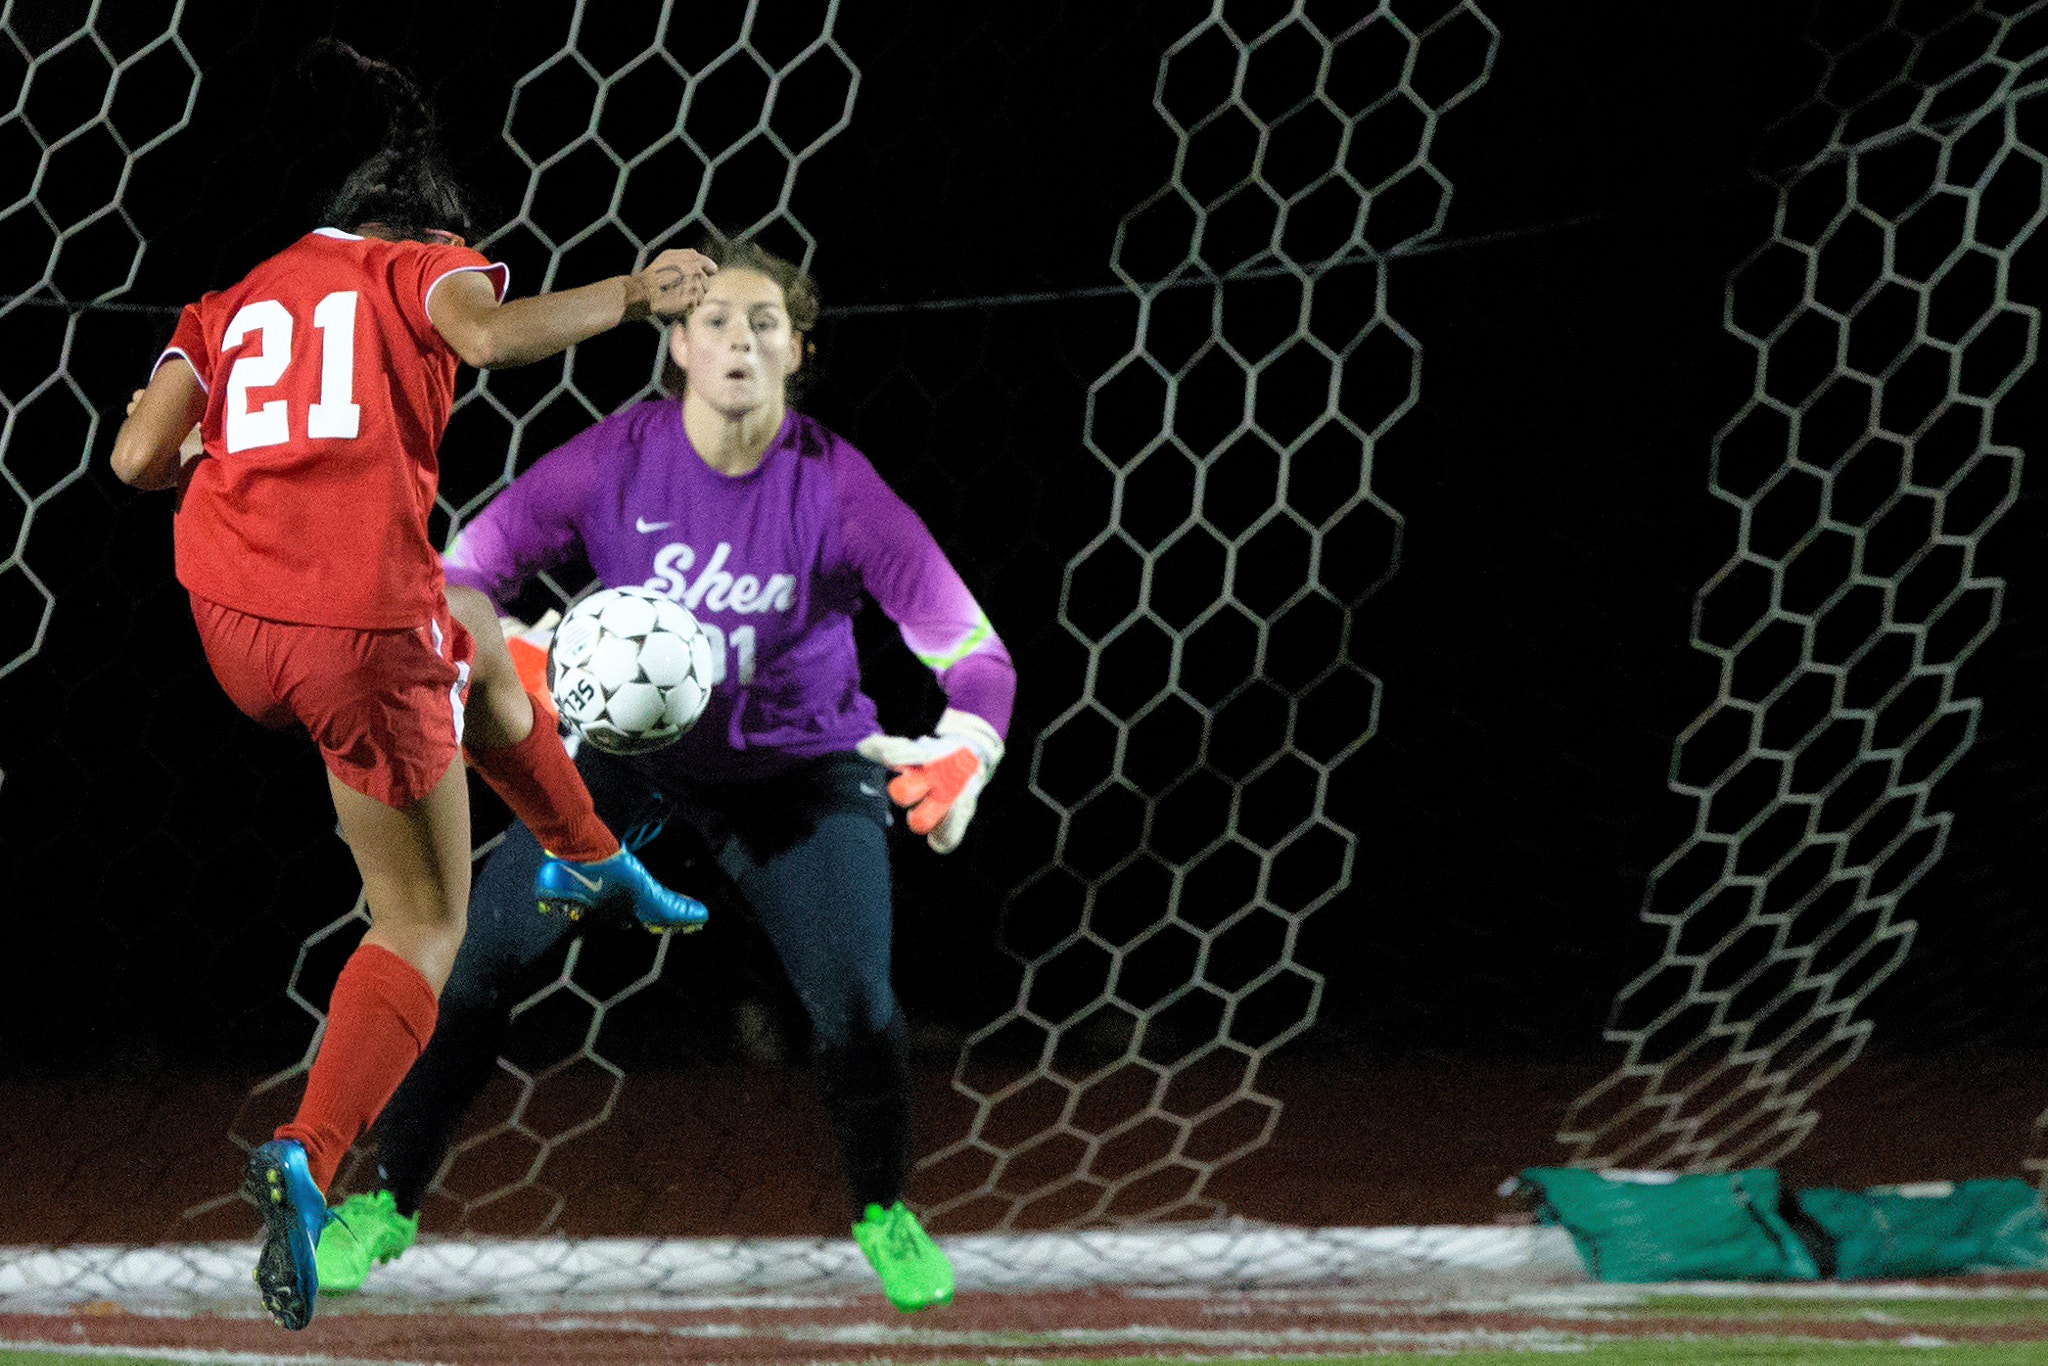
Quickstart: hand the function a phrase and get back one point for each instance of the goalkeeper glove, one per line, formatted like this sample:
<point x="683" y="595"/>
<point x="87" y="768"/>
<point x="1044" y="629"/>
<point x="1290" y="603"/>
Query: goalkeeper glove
<point x="939" y="777"/>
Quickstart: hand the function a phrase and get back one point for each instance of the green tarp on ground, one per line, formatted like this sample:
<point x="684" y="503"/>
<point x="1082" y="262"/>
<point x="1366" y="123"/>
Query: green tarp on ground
<point x="1931" y="1229"/>
<point x="1659" y="1226"/>
<point x="1662" y="1226"/>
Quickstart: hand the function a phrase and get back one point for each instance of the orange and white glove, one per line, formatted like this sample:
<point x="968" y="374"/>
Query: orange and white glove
<point x="939" y="777"/>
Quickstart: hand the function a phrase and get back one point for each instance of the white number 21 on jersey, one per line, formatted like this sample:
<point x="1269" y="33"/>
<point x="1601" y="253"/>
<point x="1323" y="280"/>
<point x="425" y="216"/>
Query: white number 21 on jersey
<point x="335" y="416"/>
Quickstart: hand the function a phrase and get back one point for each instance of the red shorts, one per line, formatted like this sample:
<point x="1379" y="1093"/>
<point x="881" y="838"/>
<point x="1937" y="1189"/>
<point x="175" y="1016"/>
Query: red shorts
<point x="385" y="707"/>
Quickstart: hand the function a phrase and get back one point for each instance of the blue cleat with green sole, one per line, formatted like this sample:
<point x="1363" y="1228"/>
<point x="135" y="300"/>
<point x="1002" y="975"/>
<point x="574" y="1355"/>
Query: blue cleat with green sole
<point x="620" y="883"/>
<point x="294" y="1212"/>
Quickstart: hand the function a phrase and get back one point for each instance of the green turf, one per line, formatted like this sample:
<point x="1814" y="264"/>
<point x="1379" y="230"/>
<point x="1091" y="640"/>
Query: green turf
<point x="1702" y="1351"/>
<point x="1927" y="1310"/>
<point x="1712" y="1351"/>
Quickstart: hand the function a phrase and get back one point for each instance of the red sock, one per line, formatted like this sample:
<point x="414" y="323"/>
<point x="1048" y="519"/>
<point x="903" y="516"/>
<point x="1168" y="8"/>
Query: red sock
<point x="539" y="781"/>
<point x="378" y="1022"/>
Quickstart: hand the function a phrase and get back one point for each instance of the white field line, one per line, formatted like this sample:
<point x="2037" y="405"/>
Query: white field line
<point x="208" y="1356"/>
<point x="1130" y="1335"/>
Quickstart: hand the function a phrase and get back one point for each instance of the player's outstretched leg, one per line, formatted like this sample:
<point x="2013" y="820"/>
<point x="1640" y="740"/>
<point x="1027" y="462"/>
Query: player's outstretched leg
<point x="519" y="753"/>
<point x="915" y="1273"/>
<point x="294" y="1212"/>
<point x="362" y="1231"/>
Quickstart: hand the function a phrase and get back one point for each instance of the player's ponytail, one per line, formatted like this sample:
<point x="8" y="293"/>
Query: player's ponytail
<point x="406" y="184"/>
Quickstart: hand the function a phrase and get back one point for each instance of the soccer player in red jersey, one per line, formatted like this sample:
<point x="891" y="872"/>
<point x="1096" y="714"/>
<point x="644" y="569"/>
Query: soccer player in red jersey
<point x="321" y="384"/>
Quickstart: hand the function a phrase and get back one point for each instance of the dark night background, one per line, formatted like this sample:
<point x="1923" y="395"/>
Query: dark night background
<point x="167" y="859"/>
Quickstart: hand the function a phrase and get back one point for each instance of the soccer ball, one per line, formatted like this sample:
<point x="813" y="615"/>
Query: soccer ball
<point x="630" y="669"/>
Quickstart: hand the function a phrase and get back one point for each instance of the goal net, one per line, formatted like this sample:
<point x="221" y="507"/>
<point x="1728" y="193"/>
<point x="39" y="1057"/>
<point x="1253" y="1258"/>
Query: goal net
<point x="1865" y="467"/>
<point x="1197" y="650"/>
<point x="1178" y="486"/>
<point x="1192" y="832"/>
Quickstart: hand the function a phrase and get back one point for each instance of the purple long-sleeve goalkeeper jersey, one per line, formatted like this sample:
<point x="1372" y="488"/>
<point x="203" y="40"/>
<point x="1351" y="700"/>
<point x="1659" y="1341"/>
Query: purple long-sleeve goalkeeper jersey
<point x="771" y="562"/>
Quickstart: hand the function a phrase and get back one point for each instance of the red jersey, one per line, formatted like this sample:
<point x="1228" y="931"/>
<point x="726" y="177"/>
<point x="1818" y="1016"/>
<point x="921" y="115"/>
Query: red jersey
<point x="327" y="391"/>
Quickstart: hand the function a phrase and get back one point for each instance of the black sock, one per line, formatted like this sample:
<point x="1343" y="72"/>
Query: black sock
<point x="866" y="1082"/>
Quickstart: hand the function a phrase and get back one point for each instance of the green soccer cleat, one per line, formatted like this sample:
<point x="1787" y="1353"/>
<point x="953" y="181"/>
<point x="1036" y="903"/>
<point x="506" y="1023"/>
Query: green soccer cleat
<point x="915" y="1274"/>
<point x="364" y="1230"/>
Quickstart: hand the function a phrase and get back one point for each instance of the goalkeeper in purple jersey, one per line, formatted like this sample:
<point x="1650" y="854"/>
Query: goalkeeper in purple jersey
<point x="768" y="527"/>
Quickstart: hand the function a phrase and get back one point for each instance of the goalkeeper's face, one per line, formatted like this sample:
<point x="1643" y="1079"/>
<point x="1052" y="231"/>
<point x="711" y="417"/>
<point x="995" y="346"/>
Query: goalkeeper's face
<point x="736" y="348"/>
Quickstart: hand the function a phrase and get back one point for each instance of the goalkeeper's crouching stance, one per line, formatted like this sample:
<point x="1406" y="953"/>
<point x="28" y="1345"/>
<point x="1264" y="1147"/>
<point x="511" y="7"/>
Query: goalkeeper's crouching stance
<point x="768" y="527"/>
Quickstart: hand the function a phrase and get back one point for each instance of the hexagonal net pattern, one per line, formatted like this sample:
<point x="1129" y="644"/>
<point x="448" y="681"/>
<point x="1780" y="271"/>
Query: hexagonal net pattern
<point x="1189" y="777"/>
<point x="71" y="244"/>
<point x="670" y="151"/>
<point x="612" y="119"/>
<point x="1865" y="474"/>
<point x="1271" y="367"/>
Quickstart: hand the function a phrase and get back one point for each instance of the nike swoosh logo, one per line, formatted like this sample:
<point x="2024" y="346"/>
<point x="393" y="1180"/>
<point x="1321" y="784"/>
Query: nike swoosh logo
<point x="871" y="791"/>
<point x="593" y="884"/>
<point x="641" y="524"/>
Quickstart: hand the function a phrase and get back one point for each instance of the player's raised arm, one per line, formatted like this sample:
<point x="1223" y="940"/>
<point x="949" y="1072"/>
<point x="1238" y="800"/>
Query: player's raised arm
<point x="491" y="336"/>
<point x="939" y="776"/>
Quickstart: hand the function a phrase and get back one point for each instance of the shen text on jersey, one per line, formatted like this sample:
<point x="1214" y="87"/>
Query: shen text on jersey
<point x="715" y="590"/>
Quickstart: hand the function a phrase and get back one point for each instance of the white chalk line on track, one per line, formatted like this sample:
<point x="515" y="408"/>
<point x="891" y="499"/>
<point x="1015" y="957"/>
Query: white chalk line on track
<point x="210" y="1356"/>
<point x="1190" y="1344"/>
<point x="1146" y="1335"/>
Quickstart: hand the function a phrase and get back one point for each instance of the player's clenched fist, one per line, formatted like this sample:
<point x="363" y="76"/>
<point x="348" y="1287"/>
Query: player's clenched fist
<point x="675" y="281"/>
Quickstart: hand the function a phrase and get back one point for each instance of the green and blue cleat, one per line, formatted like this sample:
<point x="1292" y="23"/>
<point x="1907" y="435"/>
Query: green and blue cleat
<point x="364" y="1231"/>
<point x="294" y="1213"/>
<point x="620" y="883"/>
<point x="915" y="1273"/>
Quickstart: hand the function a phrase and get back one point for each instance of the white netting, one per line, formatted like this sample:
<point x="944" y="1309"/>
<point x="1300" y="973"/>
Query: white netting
<point x="1183" y="781"/>
<point x="1239" y="431"/>
<point x="1865" y="473"/>
<point x="1251" y="408"/>
<point x="622" y="1273"/>
<point x="1238" y="434"/>
<point x="69" y="239"/>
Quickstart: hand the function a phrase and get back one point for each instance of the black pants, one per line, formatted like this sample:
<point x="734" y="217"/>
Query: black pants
<point x="807" y="850"/>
